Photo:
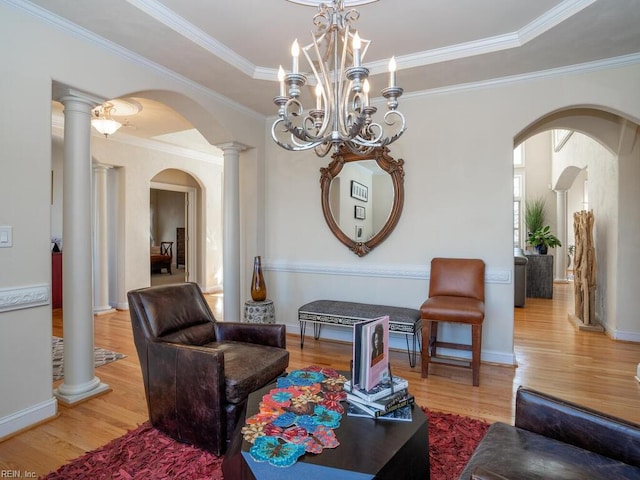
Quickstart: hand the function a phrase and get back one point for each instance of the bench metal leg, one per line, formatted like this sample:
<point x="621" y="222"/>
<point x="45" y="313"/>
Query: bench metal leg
<point x="412" y="352"/>
<point x="317" y="328"/>
<point x="303" y="328"/>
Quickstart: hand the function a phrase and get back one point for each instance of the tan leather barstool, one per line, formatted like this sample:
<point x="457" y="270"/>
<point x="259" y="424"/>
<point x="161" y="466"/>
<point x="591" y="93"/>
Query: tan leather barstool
<point x="456" y="294"/>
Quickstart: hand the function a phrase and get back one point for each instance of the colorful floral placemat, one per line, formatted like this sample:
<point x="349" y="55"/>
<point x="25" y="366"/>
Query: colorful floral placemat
<point x="298" y="416"/>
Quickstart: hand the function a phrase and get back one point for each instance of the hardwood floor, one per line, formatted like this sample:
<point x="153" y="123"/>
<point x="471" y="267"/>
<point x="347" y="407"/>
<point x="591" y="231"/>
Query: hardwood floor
<point x="588" y="368"/>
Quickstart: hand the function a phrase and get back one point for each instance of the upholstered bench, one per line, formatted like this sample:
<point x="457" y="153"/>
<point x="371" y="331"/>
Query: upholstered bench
<point x="344" y="314"/>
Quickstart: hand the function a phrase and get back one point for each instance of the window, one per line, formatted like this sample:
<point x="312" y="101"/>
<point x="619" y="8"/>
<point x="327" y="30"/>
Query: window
<point x="518" y="156"/>
<point x="518" y="195"/>
<point x="516" y="223"/>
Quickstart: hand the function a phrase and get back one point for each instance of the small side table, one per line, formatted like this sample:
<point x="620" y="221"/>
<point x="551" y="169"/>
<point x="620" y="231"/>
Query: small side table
<point x="259" y="312"/>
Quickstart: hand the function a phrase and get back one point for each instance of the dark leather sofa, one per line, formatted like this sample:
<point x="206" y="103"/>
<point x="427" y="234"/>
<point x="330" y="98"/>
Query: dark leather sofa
<point x="519" y="278"/>
<point x="198" y="372"/>
<point x="555" y="439"/>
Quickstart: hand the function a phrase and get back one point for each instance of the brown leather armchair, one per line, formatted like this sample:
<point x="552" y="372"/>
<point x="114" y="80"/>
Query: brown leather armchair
<point x="198" y="372"/>
<point x="456" y="294"/>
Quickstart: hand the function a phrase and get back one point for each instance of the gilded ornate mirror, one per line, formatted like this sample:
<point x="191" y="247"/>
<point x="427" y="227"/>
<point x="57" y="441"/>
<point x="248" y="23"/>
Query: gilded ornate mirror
<point x="362" y="197"/>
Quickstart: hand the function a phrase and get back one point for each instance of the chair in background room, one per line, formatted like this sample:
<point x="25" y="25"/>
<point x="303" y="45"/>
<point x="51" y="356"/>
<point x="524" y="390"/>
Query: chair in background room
<point x="198" y="372"/>
<point x="456" y="295"/>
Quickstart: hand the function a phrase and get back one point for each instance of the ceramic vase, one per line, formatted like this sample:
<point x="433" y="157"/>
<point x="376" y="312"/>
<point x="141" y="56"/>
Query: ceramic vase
<point x="258" y="287"/>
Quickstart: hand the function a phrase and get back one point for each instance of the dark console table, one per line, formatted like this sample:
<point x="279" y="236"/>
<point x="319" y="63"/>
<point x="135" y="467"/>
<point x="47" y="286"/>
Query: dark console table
<point x="540" y="276"/>
<point x="369" y="449"/>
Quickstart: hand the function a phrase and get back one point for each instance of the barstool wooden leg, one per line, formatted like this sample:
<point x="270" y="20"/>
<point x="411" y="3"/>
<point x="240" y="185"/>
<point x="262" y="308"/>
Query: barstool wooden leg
<point x="433" y="340"/>
<point x="476" y="348"/>
<point x="426" y="347"/>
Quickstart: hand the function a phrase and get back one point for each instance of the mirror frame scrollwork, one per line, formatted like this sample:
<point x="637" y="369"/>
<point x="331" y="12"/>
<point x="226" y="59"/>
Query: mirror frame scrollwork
<point x="387" y="163"/>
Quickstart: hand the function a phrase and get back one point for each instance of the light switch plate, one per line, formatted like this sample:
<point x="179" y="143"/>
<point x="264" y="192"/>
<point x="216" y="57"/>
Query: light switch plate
<point x="6" y="236"/>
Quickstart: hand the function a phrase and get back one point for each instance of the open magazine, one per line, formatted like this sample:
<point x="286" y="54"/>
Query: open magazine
<point x="370" y="352"/>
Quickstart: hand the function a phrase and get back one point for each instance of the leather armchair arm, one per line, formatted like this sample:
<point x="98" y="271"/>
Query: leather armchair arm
<point x="273" y="335"/>
<point x="186" y="392"/>
<point x="577" y="425"/>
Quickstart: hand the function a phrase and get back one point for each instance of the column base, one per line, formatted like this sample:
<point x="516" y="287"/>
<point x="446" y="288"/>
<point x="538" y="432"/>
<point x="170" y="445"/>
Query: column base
<point x="103" y="310"/>
<point x="74" y="399"/>
<point x="580" y="325"/>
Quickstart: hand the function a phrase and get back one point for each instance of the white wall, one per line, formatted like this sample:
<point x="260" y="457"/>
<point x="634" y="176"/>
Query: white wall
<point x="458" y="179"/>
<point x="575" y="202"/>
<point x="40" y="54"/>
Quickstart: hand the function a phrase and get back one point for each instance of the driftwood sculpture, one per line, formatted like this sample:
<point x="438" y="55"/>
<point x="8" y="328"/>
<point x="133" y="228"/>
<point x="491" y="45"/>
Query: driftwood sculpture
<point x="584" y="267"/>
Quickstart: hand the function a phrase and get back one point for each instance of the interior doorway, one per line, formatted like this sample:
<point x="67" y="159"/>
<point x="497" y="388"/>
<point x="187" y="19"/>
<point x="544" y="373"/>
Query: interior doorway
<point x="171" y="220"/>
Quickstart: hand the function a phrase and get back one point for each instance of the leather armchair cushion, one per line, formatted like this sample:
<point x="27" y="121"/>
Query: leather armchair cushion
<point x="515" y="453"/>
<point x="248" y="367"/>
<point x="196" y="334"/>
<point x="453" y="309"/>
<point x="180" y="319"/>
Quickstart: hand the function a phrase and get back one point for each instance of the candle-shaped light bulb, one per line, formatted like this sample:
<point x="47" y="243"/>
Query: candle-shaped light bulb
<point x="295" y="52"/>
<point x="365" y="90"/>
<point x="281" y="80"/>
<point x="356" y="50"/>
<point x="392" y="72"/>
<point x="318" y="96"/>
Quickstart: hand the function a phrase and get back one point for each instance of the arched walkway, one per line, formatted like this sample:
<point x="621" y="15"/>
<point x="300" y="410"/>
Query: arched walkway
<point x="606" y="146"/>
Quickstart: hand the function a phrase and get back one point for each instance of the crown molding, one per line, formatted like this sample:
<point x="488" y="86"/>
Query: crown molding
<point x="552" y="18"/>
<point x="537" y="27"/>
<point x="529" y="32"/>
<point x="85" y="35"/>
<point x="178" y="24"/>
<point x="606" y="64"/>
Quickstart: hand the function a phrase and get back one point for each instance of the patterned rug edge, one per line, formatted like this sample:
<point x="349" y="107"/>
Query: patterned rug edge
<point x="102" y="356"/>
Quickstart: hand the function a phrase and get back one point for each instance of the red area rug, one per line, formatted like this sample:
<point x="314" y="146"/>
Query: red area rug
<point x="145" y="453"/>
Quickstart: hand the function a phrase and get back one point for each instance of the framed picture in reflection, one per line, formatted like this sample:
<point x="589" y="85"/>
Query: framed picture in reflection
<point x="359" y="212"/>
<point x="359" y="191"/>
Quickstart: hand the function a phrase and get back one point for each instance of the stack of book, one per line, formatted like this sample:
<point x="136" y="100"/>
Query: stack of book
<point x="384" y="401"/>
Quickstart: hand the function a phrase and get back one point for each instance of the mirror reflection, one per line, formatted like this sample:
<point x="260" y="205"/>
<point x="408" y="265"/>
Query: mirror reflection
<point x="362" y="197"/>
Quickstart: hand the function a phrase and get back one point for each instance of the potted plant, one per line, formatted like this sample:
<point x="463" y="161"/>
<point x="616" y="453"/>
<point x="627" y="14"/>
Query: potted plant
<point x="534" y="214"/>
<point x="542" y="239"/>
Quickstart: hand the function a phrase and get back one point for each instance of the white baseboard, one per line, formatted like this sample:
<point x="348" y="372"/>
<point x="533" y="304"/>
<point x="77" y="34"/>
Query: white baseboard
<point x="29" y="416"/>
<point x="398" y="342"/>
<point x="626" y="336"/>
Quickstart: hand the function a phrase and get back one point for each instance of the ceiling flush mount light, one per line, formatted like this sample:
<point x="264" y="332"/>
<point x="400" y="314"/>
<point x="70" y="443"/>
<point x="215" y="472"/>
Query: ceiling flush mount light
<point x="102" y="120"/>
<point x="342" y="113"/>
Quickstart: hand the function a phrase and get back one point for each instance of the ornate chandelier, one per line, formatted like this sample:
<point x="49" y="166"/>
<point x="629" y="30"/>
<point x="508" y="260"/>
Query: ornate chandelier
<point x="342" y="113"/>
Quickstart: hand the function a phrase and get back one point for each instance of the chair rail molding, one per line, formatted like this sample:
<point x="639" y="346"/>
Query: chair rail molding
<point x="24" y="297"/>
<point x="400" y="271"/>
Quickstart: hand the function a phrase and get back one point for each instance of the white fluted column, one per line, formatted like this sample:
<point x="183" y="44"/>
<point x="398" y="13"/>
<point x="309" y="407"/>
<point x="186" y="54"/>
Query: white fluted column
<point x="100" y="243"/>
<point x="231" y="231"/>
<point x="561" y="252"/>
<point x="79" y="382"/>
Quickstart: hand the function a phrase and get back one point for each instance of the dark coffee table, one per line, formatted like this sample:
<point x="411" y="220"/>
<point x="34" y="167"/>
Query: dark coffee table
<point x="369" y="449"/>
